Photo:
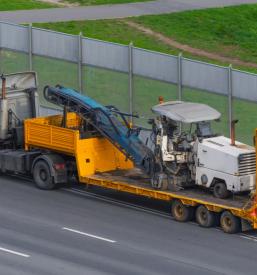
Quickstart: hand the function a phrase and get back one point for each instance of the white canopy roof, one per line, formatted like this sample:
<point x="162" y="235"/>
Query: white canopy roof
<point x="186" y="112"/>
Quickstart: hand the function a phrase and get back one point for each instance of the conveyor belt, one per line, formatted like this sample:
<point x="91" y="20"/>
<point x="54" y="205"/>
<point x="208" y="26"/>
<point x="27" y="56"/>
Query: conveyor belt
<point x="107" y="120"/>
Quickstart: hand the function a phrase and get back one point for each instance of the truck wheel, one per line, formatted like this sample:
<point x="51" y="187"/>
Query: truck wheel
<point x="220" y="190"/>
<point x="181" y="212"/>
<point x="42" y="176"/>
<point x="230" y="223"/>
<point x="204" y="217"/>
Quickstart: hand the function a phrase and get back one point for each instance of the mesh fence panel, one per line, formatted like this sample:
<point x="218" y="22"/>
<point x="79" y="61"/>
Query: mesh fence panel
<point x="14" y="37"/>
<point x="56" y="45"/>
<point x="246" y="113"/>
<point x="218" y="102"/>
<point x="106" y="86"/>
<point x="204" y="76"/>
<point x="52" y="71"/>
<point x="244" y="85"/>
<point x="146" y="93"/>
<point x="11" y="61"/>
<point x="154" y="65"/>
<point x="104" y="54"/>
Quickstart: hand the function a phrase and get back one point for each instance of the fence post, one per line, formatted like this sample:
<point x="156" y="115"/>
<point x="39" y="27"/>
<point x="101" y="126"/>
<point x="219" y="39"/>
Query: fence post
<point x="30" y="47"/>
<point x="80" y="80"/>
<point x="1" y="61"/>
<point x="130" y="71"/>
<point x="1" y="55"/>
<point x="179" y="92"/>
<point x="230" y="97"/>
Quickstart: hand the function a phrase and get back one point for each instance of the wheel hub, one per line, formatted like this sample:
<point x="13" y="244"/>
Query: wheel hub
<point x="179" y="210"/>
<point x="227" y="222"/>
<point x="203" y="216"/>
<point x="43" y="175"/>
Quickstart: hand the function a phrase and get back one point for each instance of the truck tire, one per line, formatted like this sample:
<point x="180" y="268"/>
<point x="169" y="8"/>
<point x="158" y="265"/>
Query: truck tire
<point x="181" y="212"/>
<point x="220" y="190"/>
<point x="230" y="223"/>
<point x="42" y="176"/>
<point x="204" y="217"/>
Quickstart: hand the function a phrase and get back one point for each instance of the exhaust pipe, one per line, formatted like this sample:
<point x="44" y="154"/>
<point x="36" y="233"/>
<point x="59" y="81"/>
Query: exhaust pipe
<point x="161" y="99"/>
<point x="3" y="87"/>
<point x="233" y="132"/>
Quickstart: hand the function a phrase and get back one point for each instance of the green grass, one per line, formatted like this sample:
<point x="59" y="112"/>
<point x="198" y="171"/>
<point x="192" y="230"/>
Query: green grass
<point x="101" y="2"/>
<point x="8" y="5"/>
<point x="230" y="31"/>
<point x="109" y="30"/>
<point x="118" y="31"/>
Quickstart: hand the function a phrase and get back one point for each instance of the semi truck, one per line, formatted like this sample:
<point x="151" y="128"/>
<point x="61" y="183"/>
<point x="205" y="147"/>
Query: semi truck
<point x="96" y="145"/>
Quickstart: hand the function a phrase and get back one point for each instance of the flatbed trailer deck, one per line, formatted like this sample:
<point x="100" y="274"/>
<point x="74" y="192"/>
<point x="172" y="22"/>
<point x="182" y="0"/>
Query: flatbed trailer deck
<point x="135" y="182"/>
<point x="100" y="163"/>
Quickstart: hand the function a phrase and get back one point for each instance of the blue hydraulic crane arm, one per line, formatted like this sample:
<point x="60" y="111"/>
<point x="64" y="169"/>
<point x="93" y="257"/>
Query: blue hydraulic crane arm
<point x="108" y="121"/>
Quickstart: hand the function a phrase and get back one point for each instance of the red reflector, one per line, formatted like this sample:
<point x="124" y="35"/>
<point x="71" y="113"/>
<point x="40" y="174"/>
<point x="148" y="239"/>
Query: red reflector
<point x="59" y="166"/>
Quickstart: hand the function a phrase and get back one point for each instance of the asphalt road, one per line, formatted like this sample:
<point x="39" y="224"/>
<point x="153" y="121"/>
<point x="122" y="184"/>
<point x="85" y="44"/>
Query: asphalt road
<point x="114" y="11"/>
<point x="73" y="232"/>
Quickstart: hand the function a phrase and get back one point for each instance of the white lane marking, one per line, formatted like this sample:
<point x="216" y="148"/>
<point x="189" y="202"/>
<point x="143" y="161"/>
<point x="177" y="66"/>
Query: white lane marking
<point x="89" y="235"/>
<point x="14" y="252"/>
<point x="248" y="238"/>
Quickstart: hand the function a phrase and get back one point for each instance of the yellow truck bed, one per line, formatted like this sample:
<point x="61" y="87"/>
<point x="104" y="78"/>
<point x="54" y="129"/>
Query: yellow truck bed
<point x="100" y="163"/>
<point x="94" y="154"/>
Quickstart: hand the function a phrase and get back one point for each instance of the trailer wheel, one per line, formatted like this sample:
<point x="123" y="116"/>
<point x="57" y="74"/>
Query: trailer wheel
<point x="42" y="176"/>
<point x="230" y="223"/>
<point x="204" y="217"/>
<point x="181" y="212"/>
<point x="220" y="190"/>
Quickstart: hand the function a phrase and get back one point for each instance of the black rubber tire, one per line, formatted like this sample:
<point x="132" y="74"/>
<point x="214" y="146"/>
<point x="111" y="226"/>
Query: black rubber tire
<point x="205" y="217"/>
<point x="42" y="176"/>
<point x="181" y="212"/>
<point x="230" y="223"/>
<point x="220" y="190"/>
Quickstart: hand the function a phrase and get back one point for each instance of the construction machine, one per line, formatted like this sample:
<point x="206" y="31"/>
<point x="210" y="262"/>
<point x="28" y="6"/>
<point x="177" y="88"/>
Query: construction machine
<point x="186" y="151"/>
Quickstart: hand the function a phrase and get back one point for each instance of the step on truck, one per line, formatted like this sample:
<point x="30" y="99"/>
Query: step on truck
<point x="96" y="150"/>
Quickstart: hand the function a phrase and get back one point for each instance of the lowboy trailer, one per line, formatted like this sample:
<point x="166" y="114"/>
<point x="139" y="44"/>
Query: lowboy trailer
<point x="56" y="148"/>
<point x="96" y="161"/>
